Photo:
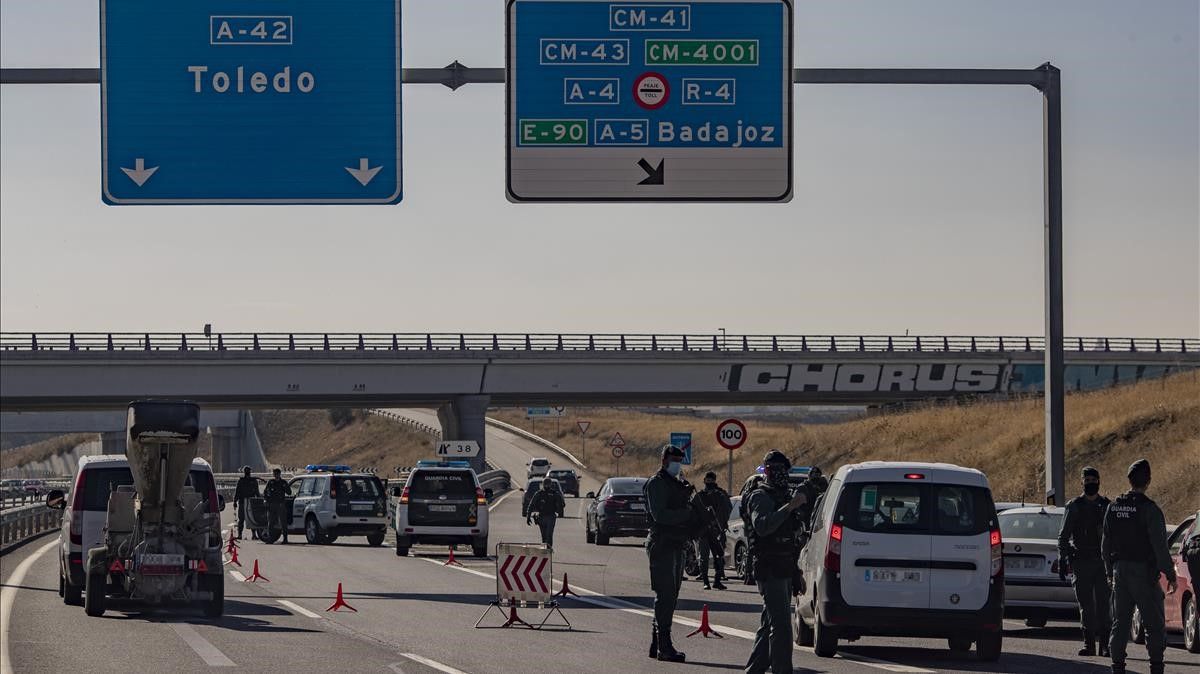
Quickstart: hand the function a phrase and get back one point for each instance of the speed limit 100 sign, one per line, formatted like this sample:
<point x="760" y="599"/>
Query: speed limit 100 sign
<point x="731" y="434"/>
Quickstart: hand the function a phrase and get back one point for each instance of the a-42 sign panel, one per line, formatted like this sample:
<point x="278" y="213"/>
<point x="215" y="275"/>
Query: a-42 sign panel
<point x="649" y="101"/>
<point x="250" y="101"/>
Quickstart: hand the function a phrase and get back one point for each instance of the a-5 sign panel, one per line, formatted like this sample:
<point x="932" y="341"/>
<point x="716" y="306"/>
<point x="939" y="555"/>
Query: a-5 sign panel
<point x="250" y="101"/>
<point x="654" y="101"/>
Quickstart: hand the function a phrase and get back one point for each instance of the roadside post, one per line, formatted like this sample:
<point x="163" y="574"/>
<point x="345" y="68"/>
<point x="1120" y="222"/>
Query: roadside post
<point x="731" y="434"/>
<point x="583" y="429"/>
<point x="523" y="580"/>
<point x="618" y="450"/>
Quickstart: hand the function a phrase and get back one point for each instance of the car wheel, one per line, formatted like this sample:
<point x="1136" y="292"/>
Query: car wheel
<point x="268" y="536"/>
<point x="601" y="538"/>
<point x="960" y="644"/>
<point x="989" y="645"/>
<point x="93" y="599"/>
<point x="215" y="607"/>
<point x="1191" y="625"/>
<point x="589" y="535"/>
<point x="312" y="531"/>
<point x="62" y="584"/>
<point x="804" y="633"/>
<point x="376" y="539"/>
<point x="1137" y="631"/>
<point x="401" y="550"/>
<point x="739" y="559"/>
<point x="1038" y="621"/>
<point x="824" y="638"/>
<point x="479" y="548"/>
<point x="72" y="594"/>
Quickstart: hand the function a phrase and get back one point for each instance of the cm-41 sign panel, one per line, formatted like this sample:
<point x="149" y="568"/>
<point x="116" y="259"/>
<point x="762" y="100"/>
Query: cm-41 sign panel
<point x="611" y="101"/>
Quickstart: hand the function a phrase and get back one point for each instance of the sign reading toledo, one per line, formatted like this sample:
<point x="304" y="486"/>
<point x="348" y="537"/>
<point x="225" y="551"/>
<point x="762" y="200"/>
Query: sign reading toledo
<point x="670" y="101"/>
<point x="250" y="102"/>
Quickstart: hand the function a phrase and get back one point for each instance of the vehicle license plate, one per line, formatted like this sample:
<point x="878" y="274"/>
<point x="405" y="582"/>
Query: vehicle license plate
<point x="1024" y="563"/>
<point x="441" y="508"/>
<point x="161" y="564"/>
<point x="362" y="506"/>
<point x="893" y="576"/>
<point x="637" y="506"/>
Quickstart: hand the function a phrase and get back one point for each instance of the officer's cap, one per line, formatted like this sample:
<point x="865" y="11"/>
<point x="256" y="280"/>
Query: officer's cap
<point x="672" y="452"/>
<point x="1139" y="471"/>
<point x="1088" y="471"/>
<point x="776" y="456"/>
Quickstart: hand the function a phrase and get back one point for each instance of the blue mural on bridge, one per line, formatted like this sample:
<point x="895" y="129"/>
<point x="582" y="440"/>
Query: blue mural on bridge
<point x="1031" y="377"/>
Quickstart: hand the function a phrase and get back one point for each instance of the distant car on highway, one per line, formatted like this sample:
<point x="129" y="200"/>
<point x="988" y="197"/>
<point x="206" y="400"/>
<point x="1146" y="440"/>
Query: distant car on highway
<point x="618" y="510"/>
<point x="442" y="503"/>
<point x="903" y="549"/>
<point x="329" y="502"/>
<point x="567" y="480"/>
<point x="1032" y="588"/>
<point x="736" y="544"/>
<point x="1180" y="608"/>
<point x="533" y="486"/>
<point x="537" y="467"/>
<point x="34" y="487"/>
<point x="1009" y="505"/>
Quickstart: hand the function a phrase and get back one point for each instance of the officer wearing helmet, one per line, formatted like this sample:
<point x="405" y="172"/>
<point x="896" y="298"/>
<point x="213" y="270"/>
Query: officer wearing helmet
<point x="1134" y="549"/>
<point x="773" y="535"/>
<point x="672" y="520"/>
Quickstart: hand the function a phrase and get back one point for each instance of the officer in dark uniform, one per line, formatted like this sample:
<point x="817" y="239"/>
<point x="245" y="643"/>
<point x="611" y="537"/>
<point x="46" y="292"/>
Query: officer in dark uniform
<point x="717" y="507"/>
<point x="1079" y="544"/>
<point x="1134" y="549"/>
<point x="276" y="493"/>
<point x="774" y="543"/>
<point x="247" y="488"/>
<point x="547" y="505"/>
<point x="671" y="522"/>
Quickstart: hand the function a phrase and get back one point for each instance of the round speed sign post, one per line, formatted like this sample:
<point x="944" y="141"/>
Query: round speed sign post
<point x="731" y="434"/>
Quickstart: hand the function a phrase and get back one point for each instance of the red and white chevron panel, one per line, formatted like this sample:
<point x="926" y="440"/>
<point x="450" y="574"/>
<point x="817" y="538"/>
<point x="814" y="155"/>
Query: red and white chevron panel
<point x="523" y="572"/>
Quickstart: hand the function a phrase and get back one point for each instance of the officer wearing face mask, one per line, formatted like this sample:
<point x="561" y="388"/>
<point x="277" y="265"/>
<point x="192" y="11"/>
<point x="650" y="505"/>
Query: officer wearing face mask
<point x="774" y="535"/>
<point x="1079" y="544"/>
<point x="672" y="519"/>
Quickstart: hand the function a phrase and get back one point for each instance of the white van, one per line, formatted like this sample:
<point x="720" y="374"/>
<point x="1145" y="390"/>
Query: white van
<point x="84" y="521"/>
<point x="903" y="549"/>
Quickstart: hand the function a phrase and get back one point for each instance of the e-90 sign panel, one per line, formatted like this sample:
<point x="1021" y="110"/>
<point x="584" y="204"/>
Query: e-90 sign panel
<point x="663" y="101"/>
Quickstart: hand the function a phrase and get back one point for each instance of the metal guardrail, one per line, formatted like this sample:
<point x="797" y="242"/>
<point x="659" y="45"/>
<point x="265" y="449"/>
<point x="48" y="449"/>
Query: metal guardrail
<point x="20" y="524"/>
<point x="411" y="423"/>
<point x="31" y="342"/>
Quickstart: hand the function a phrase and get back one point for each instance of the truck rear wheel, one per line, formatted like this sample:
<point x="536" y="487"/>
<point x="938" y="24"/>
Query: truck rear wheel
<point x="93" y="599"/>
<point x="215" y="607"/>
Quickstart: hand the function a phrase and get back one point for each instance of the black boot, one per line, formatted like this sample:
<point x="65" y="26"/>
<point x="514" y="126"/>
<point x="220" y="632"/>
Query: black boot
<point x="1118" y="669"/>
<point x="653" y="640"/>
<point x="1089" y="648"/>
<point x="666" y="650"/>
<point x="1103" y="646"/>
<point x="718" y="584"/>
<point x="1156" y="668"/>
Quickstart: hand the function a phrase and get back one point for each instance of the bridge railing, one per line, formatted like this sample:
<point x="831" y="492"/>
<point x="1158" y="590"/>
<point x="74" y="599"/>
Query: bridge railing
<point x="549" y="342"/>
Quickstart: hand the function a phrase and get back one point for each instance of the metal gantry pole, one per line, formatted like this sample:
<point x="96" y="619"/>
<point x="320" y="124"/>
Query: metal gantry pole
<point x="1045" y="78"/>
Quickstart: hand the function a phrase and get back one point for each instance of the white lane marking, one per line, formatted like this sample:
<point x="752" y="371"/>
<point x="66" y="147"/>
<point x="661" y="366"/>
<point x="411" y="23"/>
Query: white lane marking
<point x="298" y="608"/>
<point x="8" y="595"/>
<point x="432" y="663"/>
<point x="237" y="575"/>
<point x="211" y="655"/>
<point x="592" y="597"/>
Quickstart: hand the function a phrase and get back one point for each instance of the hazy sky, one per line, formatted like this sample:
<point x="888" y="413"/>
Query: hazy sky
<point x="915" y="208"/>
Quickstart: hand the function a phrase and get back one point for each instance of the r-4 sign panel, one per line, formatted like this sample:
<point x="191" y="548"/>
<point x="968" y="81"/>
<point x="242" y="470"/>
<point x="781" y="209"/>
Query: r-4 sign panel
<point x="250" y="102"/>
<point x="458" y="449"/>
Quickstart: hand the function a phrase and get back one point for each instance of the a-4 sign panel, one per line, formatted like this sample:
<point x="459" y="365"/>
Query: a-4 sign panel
<point x="612" y="101"/>
<point x="250" y="101"/>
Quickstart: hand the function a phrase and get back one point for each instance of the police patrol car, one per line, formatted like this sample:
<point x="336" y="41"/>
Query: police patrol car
<point x="442" y="503"/>
<point x="329" y="501"/>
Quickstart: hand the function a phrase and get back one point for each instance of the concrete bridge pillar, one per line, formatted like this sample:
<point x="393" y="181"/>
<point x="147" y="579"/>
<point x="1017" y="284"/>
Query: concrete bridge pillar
<point x="226" y="450"/>
<point x="464" y="418"/>
<point x="113" y="442"/>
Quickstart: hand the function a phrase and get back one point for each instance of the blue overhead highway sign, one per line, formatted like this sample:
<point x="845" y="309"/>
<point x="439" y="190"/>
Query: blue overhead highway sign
<point x="250" y="102"/>
<point x="682" y="101"/>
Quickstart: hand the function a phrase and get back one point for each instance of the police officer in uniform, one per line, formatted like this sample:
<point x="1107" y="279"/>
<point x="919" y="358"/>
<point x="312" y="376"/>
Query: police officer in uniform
<point x="547" y="506"/>
<point x="1079" y="544"/>
<point x="774" y="543"/>
<point x="671" y="522"/>
<point x="247" y="488"/>
<point x="1134" y="549"/>
<point x="276" y="493"/>
<point x="717" y="507"/>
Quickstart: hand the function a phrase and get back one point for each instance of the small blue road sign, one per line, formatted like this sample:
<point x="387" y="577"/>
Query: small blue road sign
<point x="649" y="101"/>
<point x="683" y="441"/>
<point x="250" y="102"/>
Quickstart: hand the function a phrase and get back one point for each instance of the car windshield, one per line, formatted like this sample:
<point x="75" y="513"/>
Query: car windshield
<point x="1039" y="524"/>
<point x="627" y="487"/>
<point x="442" y="482"/>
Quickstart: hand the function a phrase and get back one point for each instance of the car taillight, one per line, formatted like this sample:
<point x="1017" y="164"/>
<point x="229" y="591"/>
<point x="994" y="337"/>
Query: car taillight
<point x="997" y="554"/>
<point x="480" y="498"/>
<point x="404" y="495"/>
<point x="1064" y="565"/>
<point x="77" y="509"/>
<point x="833" y="553"/>
<point x="914" y="476"/>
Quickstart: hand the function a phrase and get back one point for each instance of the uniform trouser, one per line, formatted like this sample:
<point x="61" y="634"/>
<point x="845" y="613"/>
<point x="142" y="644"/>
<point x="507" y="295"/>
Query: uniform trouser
<point x="714" y="545"/>
<point x="241" y="515"/>
<point x="546" y="526"/>
<point x="1136" y="584"/>
<point x="278" y="516"/>
<point x="773" y="643"/>
<point x="1091" y="591"/>
<point x="666" y="575"/>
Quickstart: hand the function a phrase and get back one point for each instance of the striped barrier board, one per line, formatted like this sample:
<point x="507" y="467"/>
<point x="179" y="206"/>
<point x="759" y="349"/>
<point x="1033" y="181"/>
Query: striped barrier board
<point x="523" y="572"/>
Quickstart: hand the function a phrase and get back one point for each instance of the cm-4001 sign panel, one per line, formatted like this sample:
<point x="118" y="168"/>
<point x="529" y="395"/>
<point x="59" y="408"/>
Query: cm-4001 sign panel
<point x="250" y="101"/>
<point x="629" y="101"/>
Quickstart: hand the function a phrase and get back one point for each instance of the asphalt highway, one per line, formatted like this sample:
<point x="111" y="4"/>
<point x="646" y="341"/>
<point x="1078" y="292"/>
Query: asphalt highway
<point x="415" y="614"/>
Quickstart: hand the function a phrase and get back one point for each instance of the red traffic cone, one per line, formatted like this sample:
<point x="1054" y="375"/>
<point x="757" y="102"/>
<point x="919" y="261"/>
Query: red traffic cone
<point x="232" y="543"/>
<point x="451" y="561"/>
<point x="566" y="589"/>
<point x="255" y="576"/>
<point x="340" y="602"/>
<point x="704" y="627"/>
<point x="234" y="558"/>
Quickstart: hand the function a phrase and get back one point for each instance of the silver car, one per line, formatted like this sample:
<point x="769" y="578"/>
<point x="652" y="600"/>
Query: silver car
<point x="1032" y="587"/>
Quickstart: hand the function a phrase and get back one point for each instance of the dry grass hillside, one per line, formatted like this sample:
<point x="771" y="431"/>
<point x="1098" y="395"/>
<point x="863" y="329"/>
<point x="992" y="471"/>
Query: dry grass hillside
<point x="1159" y="420"/>
<point x="299" y="437"/>
<point x="44" y="449"/>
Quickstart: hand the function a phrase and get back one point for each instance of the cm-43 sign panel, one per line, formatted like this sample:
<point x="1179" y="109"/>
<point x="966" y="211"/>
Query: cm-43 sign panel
<point x="611" y="101"/>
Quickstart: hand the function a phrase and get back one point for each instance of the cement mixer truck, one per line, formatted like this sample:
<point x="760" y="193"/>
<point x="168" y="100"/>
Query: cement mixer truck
<point x="162" y="540"/>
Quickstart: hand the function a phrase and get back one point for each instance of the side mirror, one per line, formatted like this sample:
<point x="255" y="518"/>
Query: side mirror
<point x="487" y="493"/>
<point x="220" y="503"/>
<point x="590" y="494"/>
<point x="56" y="499"/>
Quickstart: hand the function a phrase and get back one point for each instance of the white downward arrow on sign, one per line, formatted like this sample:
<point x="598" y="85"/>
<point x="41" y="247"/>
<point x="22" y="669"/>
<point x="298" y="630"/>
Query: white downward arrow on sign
<point x="139" y="174"/>
<point x="363" y="173"/>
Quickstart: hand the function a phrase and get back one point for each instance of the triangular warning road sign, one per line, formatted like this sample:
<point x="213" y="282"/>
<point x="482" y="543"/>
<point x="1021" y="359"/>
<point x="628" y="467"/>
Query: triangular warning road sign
<point x="617" y="440"/>
<point x="583" y="426"/>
